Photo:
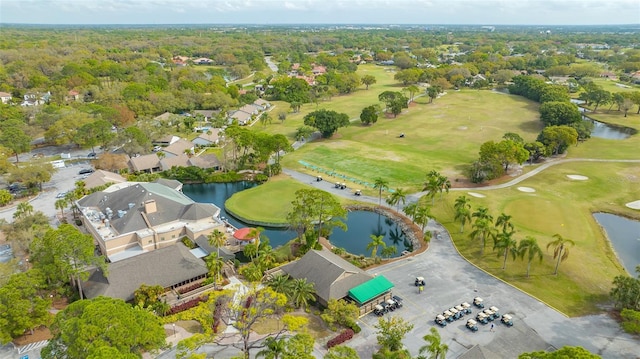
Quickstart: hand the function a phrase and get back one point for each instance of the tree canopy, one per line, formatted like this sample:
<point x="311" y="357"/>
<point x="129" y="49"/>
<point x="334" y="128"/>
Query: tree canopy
<point x="326" y="121"/>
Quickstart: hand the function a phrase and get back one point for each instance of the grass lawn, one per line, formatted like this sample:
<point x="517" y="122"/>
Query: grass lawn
<point x="613" y="86"/>
<point x="438" y="136"/>
<point x="273" y="198"/>
<point x="562" y="206"/>
<point x="604" y="148"/>
<point x="316" y="327"/>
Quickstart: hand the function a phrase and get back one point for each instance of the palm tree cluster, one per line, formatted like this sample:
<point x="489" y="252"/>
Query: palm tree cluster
<point x="436" y="183"/>
<point x="502" y="233"/>
<point x="299" y="292"/>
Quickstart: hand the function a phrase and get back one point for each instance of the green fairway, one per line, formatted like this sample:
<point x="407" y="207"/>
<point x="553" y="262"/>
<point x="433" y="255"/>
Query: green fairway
<point x="604" y="148"/>
<point x="442" y="135"/>
<point x="558" y="205"/>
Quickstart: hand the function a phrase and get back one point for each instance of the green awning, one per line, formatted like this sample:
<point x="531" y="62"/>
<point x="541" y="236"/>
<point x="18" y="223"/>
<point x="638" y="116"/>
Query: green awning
<point x="370" y="289"/>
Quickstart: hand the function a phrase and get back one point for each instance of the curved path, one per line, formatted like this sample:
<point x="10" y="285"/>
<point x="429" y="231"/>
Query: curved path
<point x="451" y="279"/>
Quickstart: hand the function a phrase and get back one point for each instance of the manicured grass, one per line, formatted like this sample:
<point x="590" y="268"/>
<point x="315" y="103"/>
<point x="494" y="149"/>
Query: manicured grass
<point x="438" y="136"/>
<point x="562" y="206"/>
<point x="269" y="202"/>
<point x="604" y="148"/>
<point x="614" y="86"/>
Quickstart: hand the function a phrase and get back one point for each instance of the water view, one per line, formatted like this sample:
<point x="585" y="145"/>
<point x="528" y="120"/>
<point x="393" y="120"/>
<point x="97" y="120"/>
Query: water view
<point x="361" y="224"/>
<point x="624" y="235"/>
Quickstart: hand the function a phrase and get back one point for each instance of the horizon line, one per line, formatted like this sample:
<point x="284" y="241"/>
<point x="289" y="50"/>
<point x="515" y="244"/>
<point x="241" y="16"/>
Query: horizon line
<point x="307" y="24"/>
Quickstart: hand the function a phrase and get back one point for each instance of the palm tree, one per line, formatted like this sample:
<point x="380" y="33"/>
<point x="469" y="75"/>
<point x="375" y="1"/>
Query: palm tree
<point x="265" y="119"/>
<point x="23" y="209"/>
<point x="280" y="283"/>
<point x="529" y="247"/>
<point x="410" y="210"/>
<point x="504" y="242"/>
<point x="217" y="239"/>
<point x="433" y="186"/>
<point x="302" y="292"/>
<point x="61" y="204"/>
<point x="376" y="241"/>
<point x="435" y="347"/>
<point x="503" y="222"/>
<point x="250" y="250"/>
<point x="266" y="257"/>
<point x="422" y="216"/>
<point x="381" y="185"/>
<point x="274" y="348"/>
<point x="389" y="251"/>
<point x="482" y="229"/>
<point x="399" y="195"/>
<point x="560" y="249"/>
<point x="444" y="184"/>
<point x="214" y="264"/>
<point x="483" y="213"/>
<point x="463" y="211"/>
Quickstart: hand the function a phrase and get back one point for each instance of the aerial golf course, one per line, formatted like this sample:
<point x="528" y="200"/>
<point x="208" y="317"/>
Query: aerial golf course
<point x="445" y="136"/>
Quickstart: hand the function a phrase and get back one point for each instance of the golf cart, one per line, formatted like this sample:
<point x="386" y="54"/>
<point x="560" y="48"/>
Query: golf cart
<point x="467" y="307"/>
<point x="489" y="313"/>
<point x="472" y="325"/>
<point x="398" y="301"/>
<point x="318" y="178"/>
<point x="506" y="319"/>
<point x="482" y="318"/>
<point x="496" y="312"/>
<point x="456" y="314"/>
<point x="478" y="302"/>
<point x="441" y="320"/>
<point x="390" y="304"/>
<point x="460" y="310"/>
<point x="357" y="193"/>
<point x="379" y="310"/>
<point x="419" y="281"/>
<point x="448" y="316"/>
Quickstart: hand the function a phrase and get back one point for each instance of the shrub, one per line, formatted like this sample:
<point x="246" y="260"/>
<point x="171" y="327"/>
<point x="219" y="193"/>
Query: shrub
<point x="341" y="338"/>
<point x="630" y="321"/>
<point x="353" y="326"/>
<point x="187" y="305"/>
<point x="187" y="289"/>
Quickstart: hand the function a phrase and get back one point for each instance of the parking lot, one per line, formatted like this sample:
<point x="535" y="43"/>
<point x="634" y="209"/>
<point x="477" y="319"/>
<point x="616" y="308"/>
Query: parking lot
<point x="451" y="280"/>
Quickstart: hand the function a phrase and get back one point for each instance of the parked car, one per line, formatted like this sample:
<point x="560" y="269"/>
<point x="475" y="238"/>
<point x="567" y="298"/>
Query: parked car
<point x="92" y="155"/>
<point x="16" y="187"/>
<point x="86" y="171"/>
<point x="61" y="195"/>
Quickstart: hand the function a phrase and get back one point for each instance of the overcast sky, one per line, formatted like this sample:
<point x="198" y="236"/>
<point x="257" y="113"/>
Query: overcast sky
<point x="483" y="12"/>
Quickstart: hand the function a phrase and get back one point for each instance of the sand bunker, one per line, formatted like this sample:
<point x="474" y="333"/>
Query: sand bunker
<point x="578" y="177"/>
<point x="462" y="128"/>
<point x="634" y="204"/>
<point x="526" y="189"/>
<point x="477" y="195"/>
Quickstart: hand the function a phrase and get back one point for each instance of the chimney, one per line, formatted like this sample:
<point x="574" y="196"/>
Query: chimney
<point x="150" y="206"/>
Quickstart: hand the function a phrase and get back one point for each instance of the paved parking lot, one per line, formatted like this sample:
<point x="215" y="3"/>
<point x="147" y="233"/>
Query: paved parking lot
<point x="452" y="280"/>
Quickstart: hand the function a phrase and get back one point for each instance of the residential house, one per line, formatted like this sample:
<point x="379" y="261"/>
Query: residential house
<point x="101" y="178"/>
<point x="261" y="104"/>
<point x="242" y="117"/>
<point x="250" y="108"/>
<point x="165" y="140"/>
<point x="331" y="275"/>
<point x="178" y="147"/>
<point x="180" y="60"/>
<point x="209" y="138"/>
<point x="318" y="70"/>
<point x="169" y="267"/>
<point x="35" y="99"/>
<point x="207" y="114"/>
<point x="131" y="218"/>
<point x="72" y="96"/>
<point x="5" y="97"/>
<point x="146" y="163"/>
<point x="176" y="185"/>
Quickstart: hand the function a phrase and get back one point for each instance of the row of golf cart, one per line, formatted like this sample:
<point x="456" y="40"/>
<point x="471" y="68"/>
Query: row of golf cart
<point x="387" y="306"/>
<point x="487" y="315"/>
<point x="453" y="313"/>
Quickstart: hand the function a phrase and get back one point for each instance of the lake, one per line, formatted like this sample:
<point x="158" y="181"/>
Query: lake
<point x="624" y="235"/>
<point x="361" y="224"/>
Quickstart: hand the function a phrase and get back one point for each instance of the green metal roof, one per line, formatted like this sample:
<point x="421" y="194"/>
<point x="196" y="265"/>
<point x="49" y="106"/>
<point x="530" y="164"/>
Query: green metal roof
<point x="370" y="289"/>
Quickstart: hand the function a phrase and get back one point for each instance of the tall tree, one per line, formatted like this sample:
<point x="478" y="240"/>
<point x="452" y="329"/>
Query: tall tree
<point x="274" y="349"/>
<point x="422" y="216"/>
<point x="396" y="197"/>
<point x="505" y="244"/>
<point x="560" y="249"/>
<point x="376" y="241"/>
<point x="65" y="254"/>
<point x="15" y="139"/>
<point x="302" y="293"/>
<point x="368" y="80"/>
<point x="435" y="347"/>
<point x="462" y="208"/>
<point x="217" y="239"/>
<point x="503" y="222"/>
<point x="315" y="207"/>
<point x="529" y="248"/>
<point x="391" y="331"/>
<point x="326" y="121"/>
<point x="626" y="291"/>
<point x="86" y="326"/>
<point x="381" y="185"/>
<point x="24" y="305"/>
<point x="482" y="230"/>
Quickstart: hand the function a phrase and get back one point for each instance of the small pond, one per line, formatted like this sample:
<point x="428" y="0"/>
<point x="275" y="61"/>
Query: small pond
<point x="624" y="235"/>
<point x="360" y="224"/>
<point x="603" y="130"/>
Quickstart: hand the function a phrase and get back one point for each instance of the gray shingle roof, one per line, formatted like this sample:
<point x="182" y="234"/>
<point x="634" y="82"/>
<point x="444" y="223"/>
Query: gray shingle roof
<point x="332" y="276"/>
<point x="171" y="205"/>
<point x="165" y="267"/>
<point x="143" y="163"/>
